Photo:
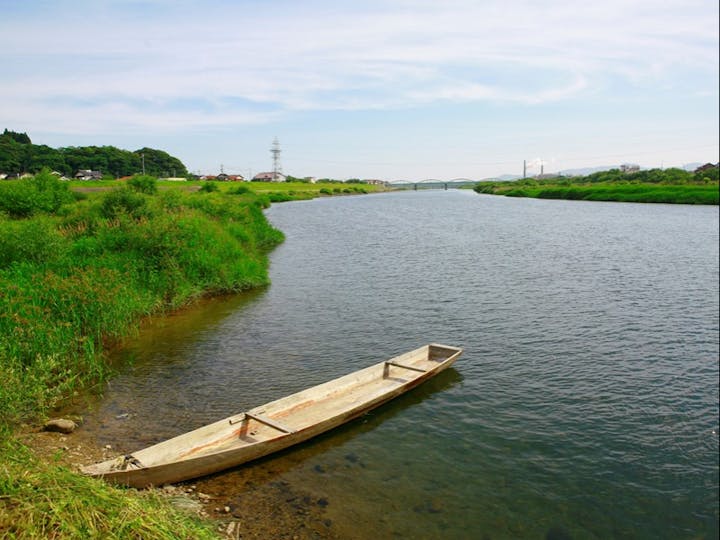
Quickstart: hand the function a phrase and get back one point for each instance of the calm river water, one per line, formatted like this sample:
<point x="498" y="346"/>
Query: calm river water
<point x="585" y="404"/>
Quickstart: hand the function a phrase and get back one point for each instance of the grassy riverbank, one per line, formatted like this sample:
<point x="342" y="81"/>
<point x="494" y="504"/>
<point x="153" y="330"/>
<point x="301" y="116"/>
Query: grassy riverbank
<point x="670" y="186"/>
<point x="272" y="191"/>
<point x="79" y="271"/>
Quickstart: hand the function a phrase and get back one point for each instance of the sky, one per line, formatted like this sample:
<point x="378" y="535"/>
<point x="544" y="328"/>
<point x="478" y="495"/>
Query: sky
<point x="394" y="89"/>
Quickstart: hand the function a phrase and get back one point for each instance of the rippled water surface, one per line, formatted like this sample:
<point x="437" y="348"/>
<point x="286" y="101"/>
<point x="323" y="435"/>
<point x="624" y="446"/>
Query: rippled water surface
<point x="585" y="404"/>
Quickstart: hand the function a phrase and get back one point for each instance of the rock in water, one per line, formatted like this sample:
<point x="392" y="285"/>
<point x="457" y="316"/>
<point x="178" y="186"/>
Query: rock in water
<point x="61" y="425"/>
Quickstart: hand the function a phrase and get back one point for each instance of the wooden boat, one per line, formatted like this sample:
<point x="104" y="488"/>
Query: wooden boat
<point x="276" y="425"/>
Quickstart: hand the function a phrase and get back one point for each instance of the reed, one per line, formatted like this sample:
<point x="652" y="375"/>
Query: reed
<point x="73" y="280"/>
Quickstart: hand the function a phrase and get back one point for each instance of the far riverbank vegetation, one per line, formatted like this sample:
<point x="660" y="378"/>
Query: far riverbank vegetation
<point x="674" y="186"/>
<point x="78" y="271"/>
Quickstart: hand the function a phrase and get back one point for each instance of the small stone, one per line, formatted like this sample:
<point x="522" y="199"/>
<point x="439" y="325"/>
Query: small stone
<point x="60" y="425"/>
<point x="108" y="447"/>
<point x="186" y="503"/>
<point x="226" y="509"/>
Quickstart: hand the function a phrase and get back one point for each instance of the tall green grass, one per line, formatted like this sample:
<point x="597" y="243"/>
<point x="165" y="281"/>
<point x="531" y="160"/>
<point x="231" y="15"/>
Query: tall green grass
<point x="41" y="193"/>
<point x="45" y="500"/>
<point x="77" y="274"/>
<point x="86" y="274"/>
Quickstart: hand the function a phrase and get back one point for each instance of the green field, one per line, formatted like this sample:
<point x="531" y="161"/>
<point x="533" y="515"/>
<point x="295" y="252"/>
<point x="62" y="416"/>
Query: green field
<point x="672" y="186"/>
<point x="279" y="190"/>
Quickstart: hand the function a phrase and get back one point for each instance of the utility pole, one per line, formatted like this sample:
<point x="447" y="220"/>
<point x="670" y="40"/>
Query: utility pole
<point x="143" y="162"/>
<point x="275" y="151"/>
<point x="524" y="168"/>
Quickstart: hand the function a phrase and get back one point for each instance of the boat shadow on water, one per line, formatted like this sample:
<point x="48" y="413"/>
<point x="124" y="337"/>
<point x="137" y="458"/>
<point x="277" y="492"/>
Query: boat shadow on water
<point x="271" y="467"/>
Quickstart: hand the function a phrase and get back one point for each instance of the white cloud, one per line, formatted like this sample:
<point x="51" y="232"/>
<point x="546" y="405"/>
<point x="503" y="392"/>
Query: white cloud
<point x="167" y="66"/>
<point x="245" y="39"/>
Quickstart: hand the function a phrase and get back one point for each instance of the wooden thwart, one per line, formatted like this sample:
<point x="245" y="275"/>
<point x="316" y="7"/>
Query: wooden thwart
<point x="265" y="420"/>
<point x="389" y="363"/>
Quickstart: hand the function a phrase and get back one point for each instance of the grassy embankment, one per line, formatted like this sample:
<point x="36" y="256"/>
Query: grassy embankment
<point x="271" y="191"/>
<point x="673" y="186"/>
<point x="78" y="271"/>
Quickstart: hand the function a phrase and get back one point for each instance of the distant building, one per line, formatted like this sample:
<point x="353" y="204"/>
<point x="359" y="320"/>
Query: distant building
<point x="223" y="177"/>
<point x="87" y="174"/>
<point x="629" y="168"/>
<point x="269" y="177"/>
<point x="707" y="167"/>
<point x="375" y="182"/>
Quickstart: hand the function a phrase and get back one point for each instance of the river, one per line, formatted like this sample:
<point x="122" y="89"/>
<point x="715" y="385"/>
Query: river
<point x="585" y="404"/>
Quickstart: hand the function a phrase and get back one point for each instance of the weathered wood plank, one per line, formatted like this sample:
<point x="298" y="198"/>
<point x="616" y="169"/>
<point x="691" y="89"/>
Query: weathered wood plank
<point x="413" y="368"/>
<point x="270" y="422"/>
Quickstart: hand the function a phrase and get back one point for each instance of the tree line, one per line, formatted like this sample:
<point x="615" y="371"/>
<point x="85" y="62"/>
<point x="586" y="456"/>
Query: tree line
<point x="19" y="155"/>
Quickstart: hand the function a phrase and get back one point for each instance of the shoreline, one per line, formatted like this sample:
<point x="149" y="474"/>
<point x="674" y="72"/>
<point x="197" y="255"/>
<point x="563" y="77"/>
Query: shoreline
<point x="265" y="508"/>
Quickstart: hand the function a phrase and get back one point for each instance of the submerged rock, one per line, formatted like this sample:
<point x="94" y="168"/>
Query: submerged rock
<point x="60" y="425"/>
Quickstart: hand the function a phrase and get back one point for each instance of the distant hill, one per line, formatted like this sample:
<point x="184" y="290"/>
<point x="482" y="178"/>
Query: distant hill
<point x="506" y="177"/>
<point x="584" y="171"/>
<point x="691" y="166"/>
<point x="19" y="155"/>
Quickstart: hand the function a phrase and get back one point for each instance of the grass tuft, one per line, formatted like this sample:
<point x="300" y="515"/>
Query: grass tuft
<point x="46" y="500"/>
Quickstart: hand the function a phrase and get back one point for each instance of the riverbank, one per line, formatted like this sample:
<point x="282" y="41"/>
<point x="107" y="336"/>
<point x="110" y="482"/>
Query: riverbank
<point x="267" y="509"/>
<point x="671" y="186"/>
<point x="78" y="271"/>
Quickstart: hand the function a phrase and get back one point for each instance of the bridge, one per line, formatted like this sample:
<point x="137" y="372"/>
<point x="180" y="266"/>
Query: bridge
<point x="432" y="183"/>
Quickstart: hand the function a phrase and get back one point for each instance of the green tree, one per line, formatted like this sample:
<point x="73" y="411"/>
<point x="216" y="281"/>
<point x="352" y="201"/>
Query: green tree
<point x="18" y="155"/>
<point x="21" y="138"/>
<point x="11" y="155"/>
<point x="160" y="163"/>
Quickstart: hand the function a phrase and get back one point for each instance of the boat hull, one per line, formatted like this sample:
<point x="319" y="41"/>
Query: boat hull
<point x="276" y="425"/>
